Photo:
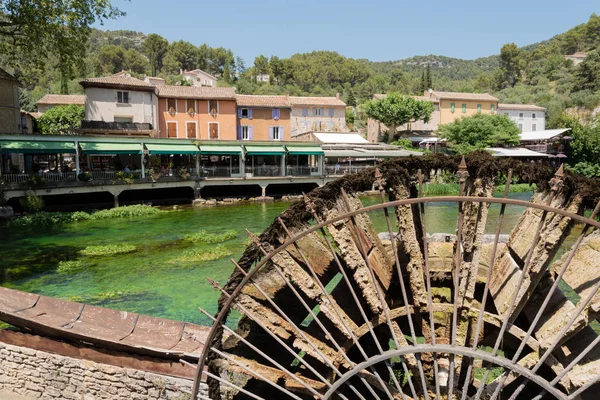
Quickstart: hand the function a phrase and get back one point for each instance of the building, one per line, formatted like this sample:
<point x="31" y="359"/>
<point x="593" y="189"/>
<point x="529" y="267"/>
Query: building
<point x="154" y="80"/>
<point x="318" y="114"/>
<point x="119" y="104"/>
<point x="203" y="113"/>
<point x="197" y="77"/>
<point x="449" y="106"/>
<point x="53" y="100"/>
<point x="528" y="117"/>
<point x="263" y="78"/>
<point x="10" y="111"/>
<point x="263" y="118"/>
<point x="577" y="57"/>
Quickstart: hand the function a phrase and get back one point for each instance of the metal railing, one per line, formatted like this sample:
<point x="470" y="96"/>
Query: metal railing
<point x="345" y="169"/>
<point x="15" y="178"/>
<point x="219" y="172"/>
<point x="540" y="148"/>
<point x="263" y="170"/>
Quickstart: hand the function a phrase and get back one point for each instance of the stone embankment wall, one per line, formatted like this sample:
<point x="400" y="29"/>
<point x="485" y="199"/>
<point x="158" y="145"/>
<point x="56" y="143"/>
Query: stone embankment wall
<point x="41" y="375"/>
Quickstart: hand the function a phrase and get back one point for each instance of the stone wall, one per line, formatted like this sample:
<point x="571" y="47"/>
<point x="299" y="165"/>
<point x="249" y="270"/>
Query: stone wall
<point x="38" y="374"/>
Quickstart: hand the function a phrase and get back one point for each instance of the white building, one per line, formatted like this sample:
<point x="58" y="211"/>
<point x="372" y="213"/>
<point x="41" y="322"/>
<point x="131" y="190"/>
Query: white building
<point x="577" y="58"/>
<point x="528" y="117"/>
<point x="119" y="103"/>
<point x="197" y="77"/>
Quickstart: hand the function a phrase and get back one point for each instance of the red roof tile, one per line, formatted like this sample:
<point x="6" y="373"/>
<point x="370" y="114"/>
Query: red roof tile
<point x="196" y="92"/>
<point x="244" y="100"/>
<point x="62" y="99"/>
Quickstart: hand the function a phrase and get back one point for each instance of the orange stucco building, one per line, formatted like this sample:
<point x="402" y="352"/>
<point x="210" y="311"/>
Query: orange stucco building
<point x="263" y="118"/>
<point x="203" y="113"/>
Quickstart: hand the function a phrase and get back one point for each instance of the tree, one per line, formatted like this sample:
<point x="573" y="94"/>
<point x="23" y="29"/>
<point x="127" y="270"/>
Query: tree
<point x="396" y="110"/>
<point x="32" y="31"/>
<point x="109" y="60"/>
<point x="180" y="55"/>
<point x="511" y="63"/>
<point x="423" y="86"/>
<point x="428" y="81"/>
<point x="155" y="48"/>
<point x="588" y="74"/>
<point x="261" y="65"/>
<point x="351" y="100"/>
<point x="479" y="132"/>
<point x="61" y="120"/>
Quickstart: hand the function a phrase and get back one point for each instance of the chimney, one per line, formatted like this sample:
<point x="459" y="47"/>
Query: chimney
<point x="337" y="95"/>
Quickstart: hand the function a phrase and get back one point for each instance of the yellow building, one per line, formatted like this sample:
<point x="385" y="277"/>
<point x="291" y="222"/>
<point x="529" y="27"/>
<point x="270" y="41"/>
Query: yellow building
<point x="448" y="107"/>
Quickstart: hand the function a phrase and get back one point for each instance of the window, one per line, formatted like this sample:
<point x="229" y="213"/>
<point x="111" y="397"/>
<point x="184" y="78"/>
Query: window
<point x="276" y="114"/>
<point x="318" y="126"/>
<point x="191" y="130"/>
<point x="534" y="127"/>
<point x="244" y="113"/>
<point x="213" y="107"/>
<point x="172" y="129"/>
<point x="305" y="112"/>
<point x="520" y="115"/>
<point x="521" y="127"/>
<point x="245" y="132"/>
<point x="492" y="108"/>
<point x="452" y="107"/>
<point x="276" y="133"/>
<point x="190" y="106"/>
<point x="479" y="108"/>
<point x="123" y="119"/>
<point x="172" y="105"/>
<point x="123" y="97"/>
<point x="331" y="112"/>
<point x="464" y="108"/>
<point x="318" y="112"/>
<point x="533" y="116"/>
<point x="213" y="130"/>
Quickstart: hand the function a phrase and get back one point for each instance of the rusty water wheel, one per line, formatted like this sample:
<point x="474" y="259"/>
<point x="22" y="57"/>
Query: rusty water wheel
<point x="334" y="309"/>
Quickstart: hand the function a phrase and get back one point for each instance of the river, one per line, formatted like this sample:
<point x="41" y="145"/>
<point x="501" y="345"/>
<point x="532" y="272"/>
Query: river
<point x="151" y="280"/>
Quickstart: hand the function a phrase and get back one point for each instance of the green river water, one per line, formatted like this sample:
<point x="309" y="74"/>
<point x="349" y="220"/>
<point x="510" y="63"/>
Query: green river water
<point x="150" y="280"/>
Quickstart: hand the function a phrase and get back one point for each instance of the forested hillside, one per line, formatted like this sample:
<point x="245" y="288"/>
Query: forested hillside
<point x="533" y="74"/>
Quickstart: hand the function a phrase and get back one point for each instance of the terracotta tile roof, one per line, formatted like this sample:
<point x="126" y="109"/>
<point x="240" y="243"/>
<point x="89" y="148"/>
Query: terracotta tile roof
<point x="316" y="101"/>
<point x="426" y="98"/>
<point x="244" y="100"/>
<point x="463" y="96"/>
<point x="119" y="80"/>
<point x="60" y="99"/>
<point x="525" y="107"/>
<point x="196" y="92"/>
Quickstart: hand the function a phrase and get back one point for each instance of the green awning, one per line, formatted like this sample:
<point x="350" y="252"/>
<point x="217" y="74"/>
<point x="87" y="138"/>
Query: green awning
<point x="172" y="148"/>
<point x="265" y="150"/>
<point x="110" y="148"/>
<point x="305" y="150"/>
<point x="219" y="150"/>
<point x="35" y="147"/>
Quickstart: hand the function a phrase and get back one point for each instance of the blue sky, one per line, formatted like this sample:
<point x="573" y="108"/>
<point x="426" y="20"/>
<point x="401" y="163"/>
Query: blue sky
<point x="379" y="30"/>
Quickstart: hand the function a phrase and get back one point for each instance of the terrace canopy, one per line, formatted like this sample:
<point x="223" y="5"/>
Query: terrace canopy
<point x="265" y="150"/>
<point x="37" y="147"/>
<point x="304" y="150"/>
<point x="542" y="135"/>
<point x="515" y="152"/>
<point x="102" y="148"/>
<point x="184" y="148"/>
<point x="216" y="150"/>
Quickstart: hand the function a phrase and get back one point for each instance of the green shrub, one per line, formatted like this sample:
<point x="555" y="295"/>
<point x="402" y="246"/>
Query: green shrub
<point x="31" y="203"/>
<point x="205" y="237"/>
<point x="84" y="177"/>
<point x="184" y="173"/>
<point x="108" y="250"/>
<point x="35" y="180"/>
<point x="124" y="177"/>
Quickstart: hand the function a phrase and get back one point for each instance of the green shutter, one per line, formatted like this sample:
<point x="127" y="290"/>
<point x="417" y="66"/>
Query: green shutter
<point x="479" y="108"/>
<point x="493" y="108"/>
<point x="452" y="107"/>
<point x="464" y="108"/>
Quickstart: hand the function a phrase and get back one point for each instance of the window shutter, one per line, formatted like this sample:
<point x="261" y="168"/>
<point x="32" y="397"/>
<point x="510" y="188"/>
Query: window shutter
<point x="479" y="108"/>
<point x="275" y="113"/>
<point x="239" y="113"/>
<point x="305" y="112"/>
<point x="250" y="137"/>
<point x="250" y="113"/>
<point x="239" y="133"/>
<point x="331" y="112"/>
<point x="464" y="108"/>
<point x="281" y="133"/>
<point x="270" y="133"/>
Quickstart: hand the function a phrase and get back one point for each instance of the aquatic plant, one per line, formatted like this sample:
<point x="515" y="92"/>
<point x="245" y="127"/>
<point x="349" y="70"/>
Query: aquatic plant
<point x="70" y="267"/>
<point x="31" y="203"/>
<point x="108" y="250"/>
<point x="199" y="255"/>
<point x="54" y="218"/>
<point x="205" y="237"/>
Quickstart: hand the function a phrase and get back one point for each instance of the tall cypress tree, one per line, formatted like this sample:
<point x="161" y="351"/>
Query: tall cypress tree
<point x="423" y="83"/>
<point x="428" y="82"/>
